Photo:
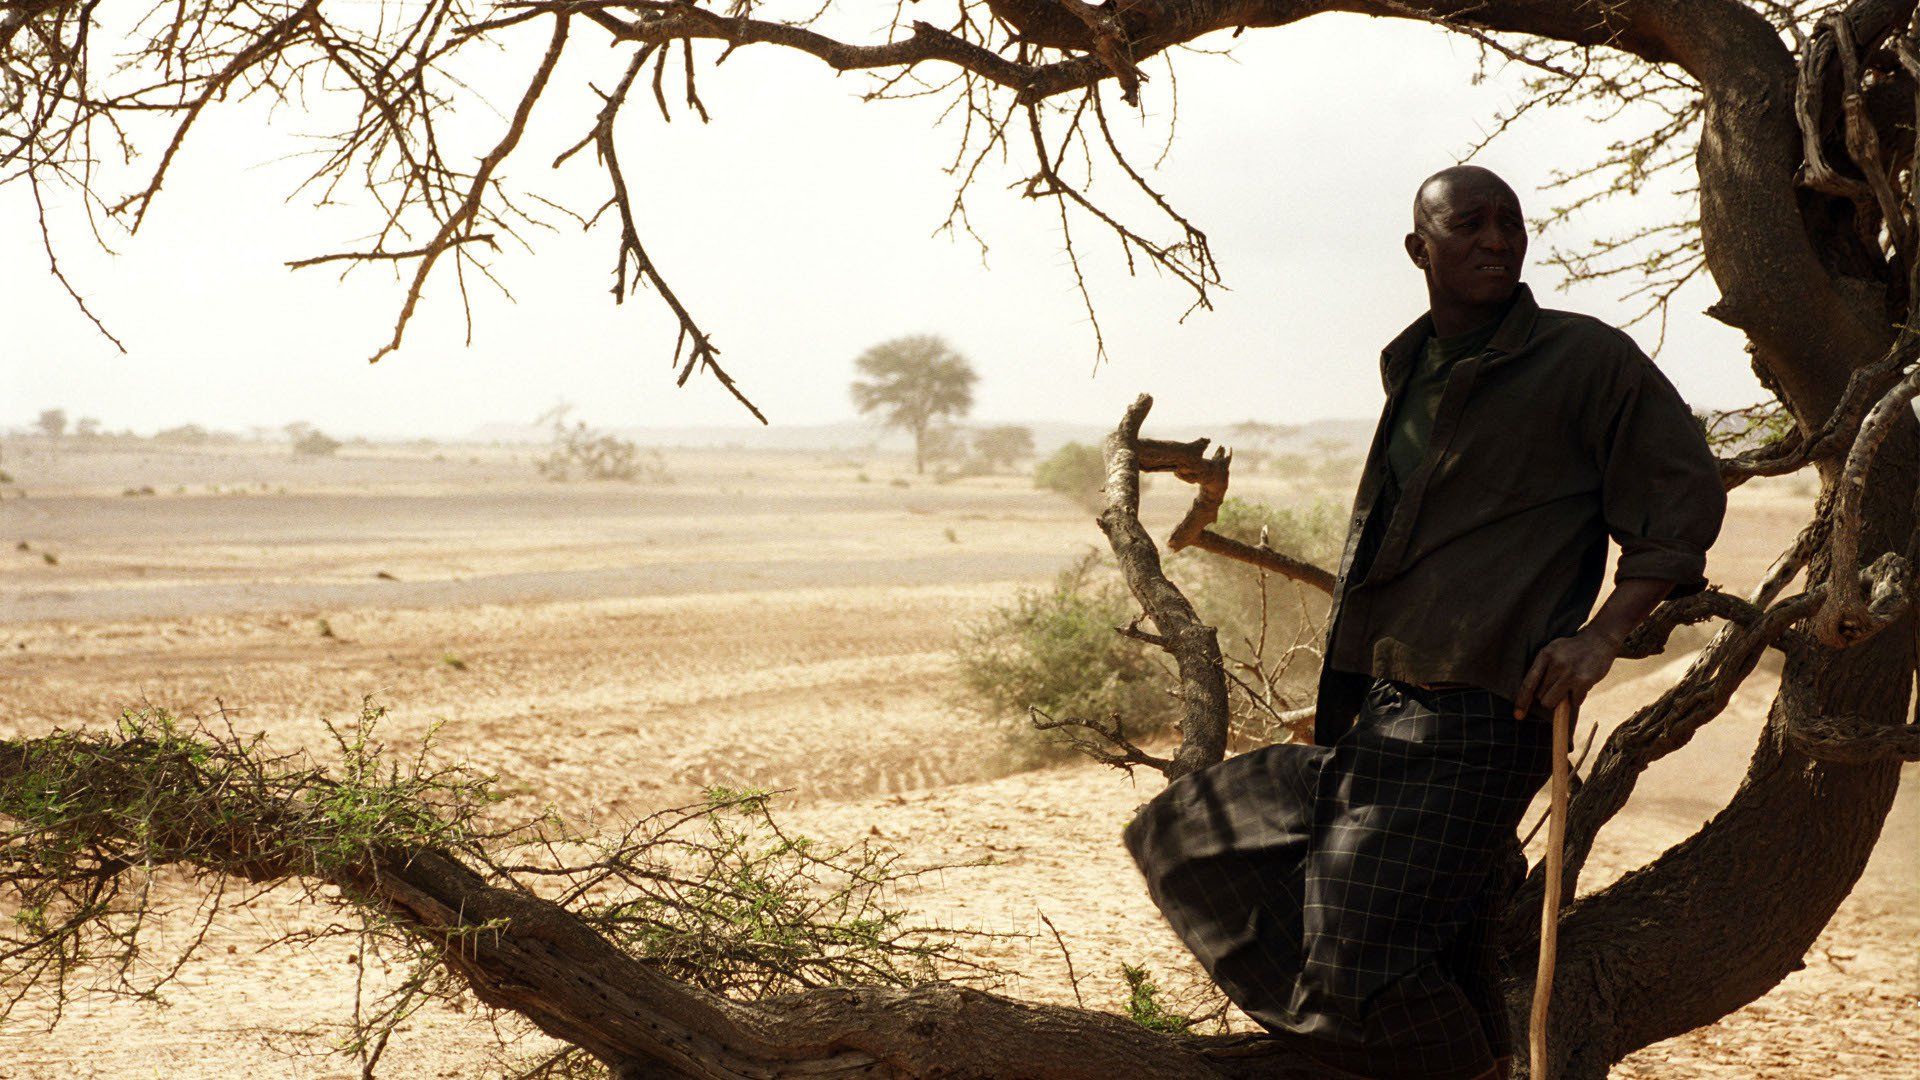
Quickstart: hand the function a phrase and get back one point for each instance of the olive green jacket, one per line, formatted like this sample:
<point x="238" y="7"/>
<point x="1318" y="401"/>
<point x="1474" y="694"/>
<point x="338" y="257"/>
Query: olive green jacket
<point x="1557" y="436"/>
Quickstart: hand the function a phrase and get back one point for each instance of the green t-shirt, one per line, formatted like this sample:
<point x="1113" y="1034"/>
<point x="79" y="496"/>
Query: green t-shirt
<point x="1420" y="400"/>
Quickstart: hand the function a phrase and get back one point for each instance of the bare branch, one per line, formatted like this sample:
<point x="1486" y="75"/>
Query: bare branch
<point x="1189" y="462"/>
<point x="463" y="216"/>
<point x="1193" y="644"/>
<point x="1109" y="746"/>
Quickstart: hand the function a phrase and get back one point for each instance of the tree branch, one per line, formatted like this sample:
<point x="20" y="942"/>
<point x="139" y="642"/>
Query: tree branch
<point x="1189" y="462"/>
<point x="178" y="801"/>
<point x="1663" y="726"/>
<point x="1193" y="644"/>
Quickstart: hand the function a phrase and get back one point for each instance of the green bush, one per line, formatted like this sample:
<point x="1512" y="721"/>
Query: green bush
<point x="1056" y="648"/>
<point x="1077" y="471"/>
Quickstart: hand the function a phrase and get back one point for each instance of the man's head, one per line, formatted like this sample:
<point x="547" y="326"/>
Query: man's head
<point x="1468" y="238"/>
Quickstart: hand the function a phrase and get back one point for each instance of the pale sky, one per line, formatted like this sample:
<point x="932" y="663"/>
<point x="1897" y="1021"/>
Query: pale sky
<point x="796" y="226"/>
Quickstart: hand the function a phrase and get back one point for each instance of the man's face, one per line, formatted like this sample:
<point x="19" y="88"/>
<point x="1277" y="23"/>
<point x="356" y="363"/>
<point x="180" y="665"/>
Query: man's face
<point x="1471" y="241"/>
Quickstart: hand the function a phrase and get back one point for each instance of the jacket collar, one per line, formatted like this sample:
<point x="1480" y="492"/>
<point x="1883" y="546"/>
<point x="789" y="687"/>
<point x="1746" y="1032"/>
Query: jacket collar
<point x="1515" y="330"/>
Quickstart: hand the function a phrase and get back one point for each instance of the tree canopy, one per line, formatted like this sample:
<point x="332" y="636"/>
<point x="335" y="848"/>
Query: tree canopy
<point x="914" y="383"/>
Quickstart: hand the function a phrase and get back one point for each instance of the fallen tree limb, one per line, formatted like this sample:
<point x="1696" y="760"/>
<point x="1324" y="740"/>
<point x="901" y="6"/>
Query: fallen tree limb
<point x="82" y="814"/>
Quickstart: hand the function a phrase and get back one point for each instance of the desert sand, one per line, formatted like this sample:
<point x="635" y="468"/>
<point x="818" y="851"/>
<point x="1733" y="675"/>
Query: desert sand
<point x="773" y="620"/>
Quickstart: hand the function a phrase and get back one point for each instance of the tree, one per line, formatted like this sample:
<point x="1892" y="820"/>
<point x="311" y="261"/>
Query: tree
<point x="86" y="427"/>
<point x="1004" y="445"/>
<point x="912" y="384"/>
<point x="1789" y="120"/>
<point x="52" y="423"/>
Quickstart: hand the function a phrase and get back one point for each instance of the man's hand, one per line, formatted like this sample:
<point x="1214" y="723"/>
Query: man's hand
<point x="1566" y="669"/>
<point x="1569" y="667"/>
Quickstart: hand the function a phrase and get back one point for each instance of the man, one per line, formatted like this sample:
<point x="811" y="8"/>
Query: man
<point x="1343" y="892"/>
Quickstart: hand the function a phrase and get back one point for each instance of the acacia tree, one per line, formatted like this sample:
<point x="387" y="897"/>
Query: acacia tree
<point x="1796" y="122"/>
<point x="915" y="383"/>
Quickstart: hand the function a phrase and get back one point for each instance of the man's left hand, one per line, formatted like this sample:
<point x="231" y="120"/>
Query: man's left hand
<point x="1565" y="670"/>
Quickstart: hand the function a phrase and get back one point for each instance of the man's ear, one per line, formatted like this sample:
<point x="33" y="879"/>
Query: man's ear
<point x="1417" y="250"/>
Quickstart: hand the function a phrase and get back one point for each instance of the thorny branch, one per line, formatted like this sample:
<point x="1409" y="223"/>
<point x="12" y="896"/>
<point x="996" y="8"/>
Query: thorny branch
<point x="400" y="68"/>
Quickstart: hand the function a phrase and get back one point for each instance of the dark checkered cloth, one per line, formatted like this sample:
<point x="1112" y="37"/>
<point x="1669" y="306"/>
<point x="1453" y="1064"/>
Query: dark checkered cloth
<point x="1342" y="892"/>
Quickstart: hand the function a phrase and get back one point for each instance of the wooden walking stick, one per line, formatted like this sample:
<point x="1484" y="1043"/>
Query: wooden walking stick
<point x="1550" y="902"/>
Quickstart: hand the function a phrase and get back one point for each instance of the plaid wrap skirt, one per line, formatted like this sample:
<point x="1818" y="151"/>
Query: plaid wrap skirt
<point x="1344" y="893"/>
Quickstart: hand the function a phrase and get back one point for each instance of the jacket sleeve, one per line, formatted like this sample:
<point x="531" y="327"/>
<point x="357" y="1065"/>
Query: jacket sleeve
<point x="1660" y="484"/>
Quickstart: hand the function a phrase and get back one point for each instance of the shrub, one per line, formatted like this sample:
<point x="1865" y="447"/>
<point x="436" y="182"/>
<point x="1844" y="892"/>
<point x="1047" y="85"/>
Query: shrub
<point x="1077" y="471"/>
<point x="1056" y="649"/>
<point x="1227" y="593"/>
<point x="1001" y="446"/>
<point x="581" y="451"/>
<point x="315" y="444"/>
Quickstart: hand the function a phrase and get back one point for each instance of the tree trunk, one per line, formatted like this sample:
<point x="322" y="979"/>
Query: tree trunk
<point x="1717" y="921"/>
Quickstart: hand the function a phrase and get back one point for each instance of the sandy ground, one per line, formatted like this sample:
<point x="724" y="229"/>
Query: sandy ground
<point x="774" y="620"/>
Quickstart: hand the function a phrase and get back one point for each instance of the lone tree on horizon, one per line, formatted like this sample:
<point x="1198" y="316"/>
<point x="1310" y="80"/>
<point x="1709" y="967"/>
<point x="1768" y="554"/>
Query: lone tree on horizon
<point x="1791" y="122"/>
<point x="913" y="384"/>
<point x="52" y="423"/>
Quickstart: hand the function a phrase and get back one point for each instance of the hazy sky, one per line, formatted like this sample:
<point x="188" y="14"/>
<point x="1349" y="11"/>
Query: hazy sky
<point x="796" y="226"/>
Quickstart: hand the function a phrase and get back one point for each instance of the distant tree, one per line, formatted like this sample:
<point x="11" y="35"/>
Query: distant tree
<point x="1261" y="431"/>
<point x="52" y="423"/>
<point x="185" y="434"/>
<point x="314" y="444"/>
<point x="87" y="427"/>
<point x="1002" y="446"/>
<point x="912" y="383"/>
<point x="297" y="430"/>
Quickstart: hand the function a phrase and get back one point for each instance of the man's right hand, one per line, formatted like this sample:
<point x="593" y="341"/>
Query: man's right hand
<point x="1566" y="669"/>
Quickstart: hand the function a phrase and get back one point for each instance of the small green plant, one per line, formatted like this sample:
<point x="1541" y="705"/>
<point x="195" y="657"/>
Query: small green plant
<point x="453" y="662"/>
<point x="952" y="537"/>
<point x="50" y="558"/>
<point x="1144" y="1005"/>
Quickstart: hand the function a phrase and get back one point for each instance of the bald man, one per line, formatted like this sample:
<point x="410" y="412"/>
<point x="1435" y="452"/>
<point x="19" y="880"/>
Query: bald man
<point x="1343" y="894"/>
